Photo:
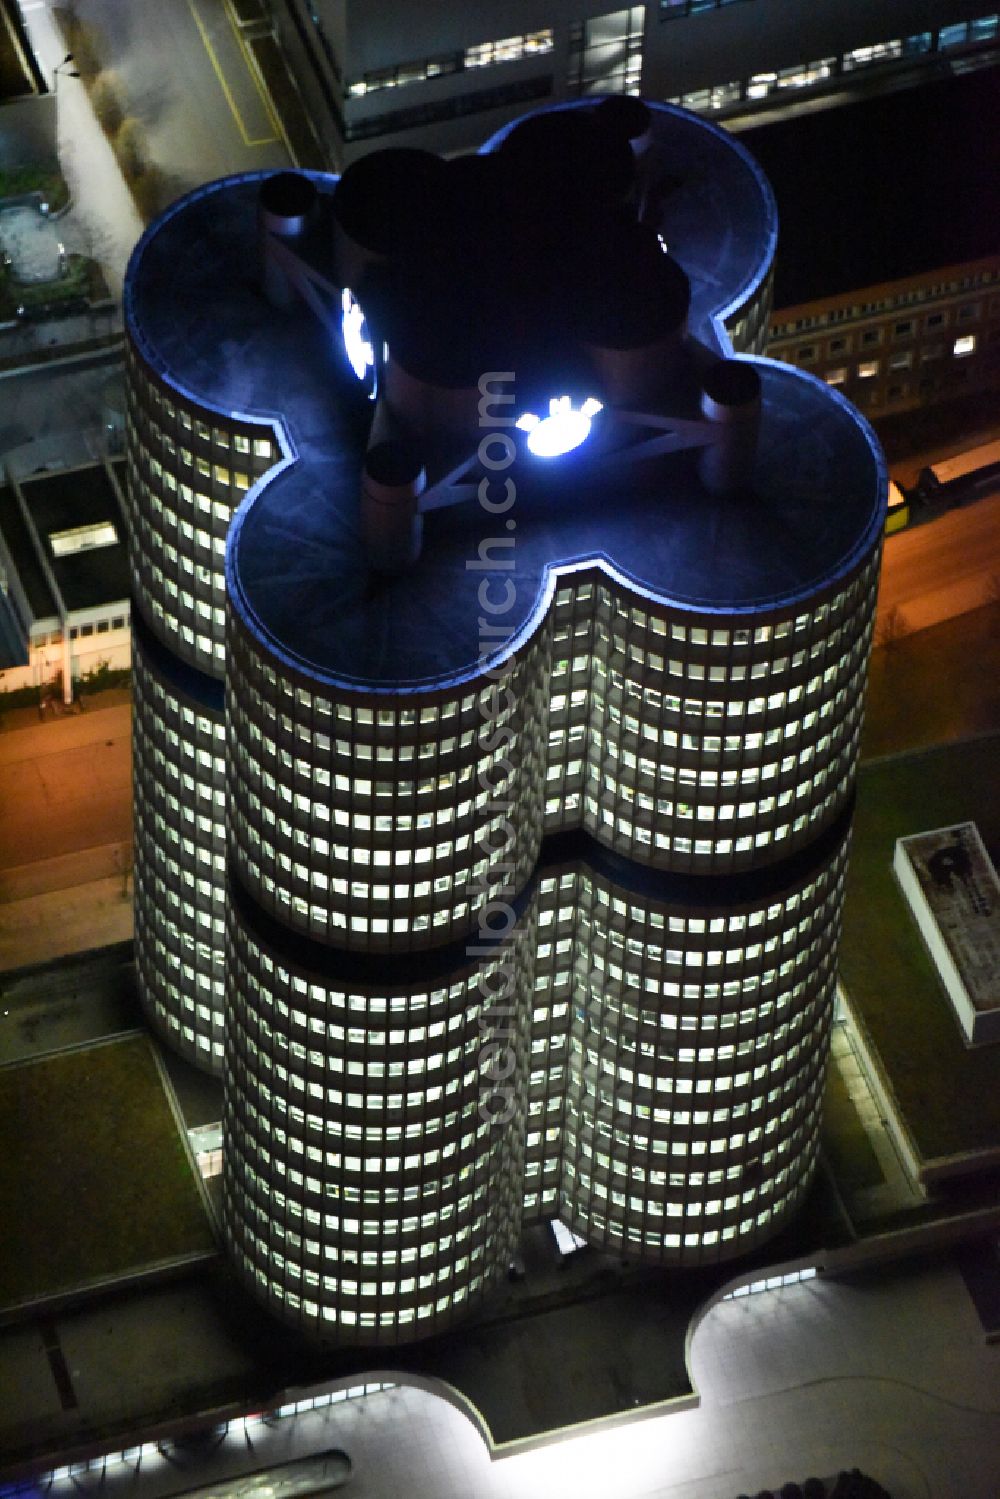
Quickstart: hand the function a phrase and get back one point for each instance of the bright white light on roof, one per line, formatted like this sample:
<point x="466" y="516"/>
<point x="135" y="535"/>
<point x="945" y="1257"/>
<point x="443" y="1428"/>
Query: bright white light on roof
<point x="566" y="1240"/>
<point x="357" y="340"/>
<point x="564" y="429"/>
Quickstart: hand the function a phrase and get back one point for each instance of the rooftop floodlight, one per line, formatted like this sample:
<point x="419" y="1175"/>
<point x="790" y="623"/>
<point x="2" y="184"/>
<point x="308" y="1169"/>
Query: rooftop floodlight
<point x="564" y="429"/>
<point x="358" y="344"/>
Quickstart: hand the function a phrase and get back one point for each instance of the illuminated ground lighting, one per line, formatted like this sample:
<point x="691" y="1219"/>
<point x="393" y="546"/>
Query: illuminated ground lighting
<point x="567" y="1242"/>
<point x="564" y="429"/>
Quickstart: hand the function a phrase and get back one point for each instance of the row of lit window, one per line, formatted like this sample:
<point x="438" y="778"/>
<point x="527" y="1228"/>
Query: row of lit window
<point x="465" y="1265"/>
<point x="926" y="292"/>
<point x="481" y="55"/>
<point x="278" y="694"/>
<point x="469" y="992"/>
<point x="199" y="541"/>
<point x="867" y="369"/>
<point x="759" y="86"/>
<point x="596" y="1193"/>
<point x="609" y="910"/>
<point x="426" y="1312"/>
<point x="153" y="399"/>
<point x="868" y="338"/>
<point x="199" y="646"/>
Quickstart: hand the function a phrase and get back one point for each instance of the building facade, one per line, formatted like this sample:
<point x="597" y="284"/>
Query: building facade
<point x="901" y="344"/>
<point x="504" y="882"/>
<point x="445" y="76"/>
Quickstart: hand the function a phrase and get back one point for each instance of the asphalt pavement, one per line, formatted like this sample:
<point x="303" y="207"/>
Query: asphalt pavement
<point x="946" y="567"/>
<point x="188" y="78"/>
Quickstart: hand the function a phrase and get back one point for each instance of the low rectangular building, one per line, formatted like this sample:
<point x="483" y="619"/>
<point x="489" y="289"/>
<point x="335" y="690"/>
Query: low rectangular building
<point x="952" y="889"/>
<point x="64" y="578"/>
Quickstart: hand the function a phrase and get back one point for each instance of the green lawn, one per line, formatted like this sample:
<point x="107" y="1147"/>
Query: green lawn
<point x="949" y="1095"/>
<point x="47" y="180"/>
<point x="94" y="1178"/>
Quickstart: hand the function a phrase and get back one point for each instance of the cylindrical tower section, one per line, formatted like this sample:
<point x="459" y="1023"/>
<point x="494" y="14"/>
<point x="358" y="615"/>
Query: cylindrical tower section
<point x="189" y="466"/>
<point x="697" y="1052"/>
<point x="178" y="750"/>
<point x="380" y="824"/>
<point x="374" y="1127"/>
<point x="709" y="743"/>
<point x="188" y="470"/>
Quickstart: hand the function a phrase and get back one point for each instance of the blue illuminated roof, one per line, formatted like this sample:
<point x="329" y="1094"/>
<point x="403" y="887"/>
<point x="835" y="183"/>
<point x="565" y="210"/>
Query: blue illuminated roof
<point x="295" y="564"/>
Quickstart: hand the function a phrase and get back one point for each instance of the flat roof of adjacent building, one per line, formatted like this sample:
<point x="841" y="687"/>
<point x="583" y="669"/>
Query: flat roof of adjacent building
<point x="69" y="498"/>
<point x="886" y="188"/>
<point x="945" y="1091"/>
<point x="16" y="534"/>
<point x="295" y="562"/>
<point x="959" y="883"/>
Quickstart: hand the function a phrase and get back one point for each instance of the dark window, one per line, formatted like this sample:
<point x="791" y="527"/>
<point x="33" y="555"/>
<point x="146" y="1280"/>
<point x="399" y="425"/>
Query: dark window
<point x="522" y="92"/>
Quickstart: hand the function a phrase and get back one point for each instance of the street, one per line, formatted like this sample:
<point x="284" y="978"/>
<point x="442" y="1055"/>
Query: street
<point x="187" y="78"/>
<point x="65" y="836"/>
<point x="66" y="789"/>
<point x="945" y="567"/>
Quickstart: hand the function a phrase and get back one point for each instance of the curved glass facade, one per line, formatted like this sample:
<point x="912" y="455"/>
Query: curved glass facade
<point x="657" y="1075"/>
<point x="375" y="824"/>
<point x="179" y="789"/>
<point x="367" y="1196"/>
<point x="188" y="470"/>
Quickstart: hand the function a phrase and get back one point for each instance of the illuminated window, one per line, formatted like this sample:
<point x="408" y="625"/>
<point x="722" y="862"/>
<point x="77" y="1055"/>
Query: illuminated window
<point x="83" y="538"/>
<point x="761" y="84"/>
<point x="964" y="345"/>
<point x="606" y="52"/>
<point x="836" y="377"/>
<point x="867" y="369"/>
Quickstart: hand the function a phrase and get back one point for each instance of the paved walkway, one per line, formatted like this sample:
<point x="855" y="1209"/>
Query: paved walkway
<point x="32" y="242"/>
<point x="896" y="1190"/>
<point x="39" y="928"/>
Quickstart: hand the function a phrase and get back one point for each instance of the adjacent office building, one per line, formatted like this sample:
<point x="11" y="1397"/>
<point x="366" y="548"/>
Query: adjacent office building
<point x="503" y="627"/>
<point x="64" y="577"/>
<point x="893" y="293"/>
<point x="443" y="76"/>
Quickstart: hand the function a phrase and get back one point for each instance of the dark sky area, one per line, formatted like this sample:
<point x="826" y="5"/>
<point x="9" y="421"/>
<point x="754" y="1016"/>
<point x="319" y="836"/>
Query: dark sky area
<point x="887" y="188"/>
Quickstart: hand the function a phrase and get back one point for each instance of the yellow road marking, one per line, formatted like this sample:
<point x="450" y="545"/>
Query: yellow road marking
<point x="252" y="67"/>
<point x="265" y="140"/>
